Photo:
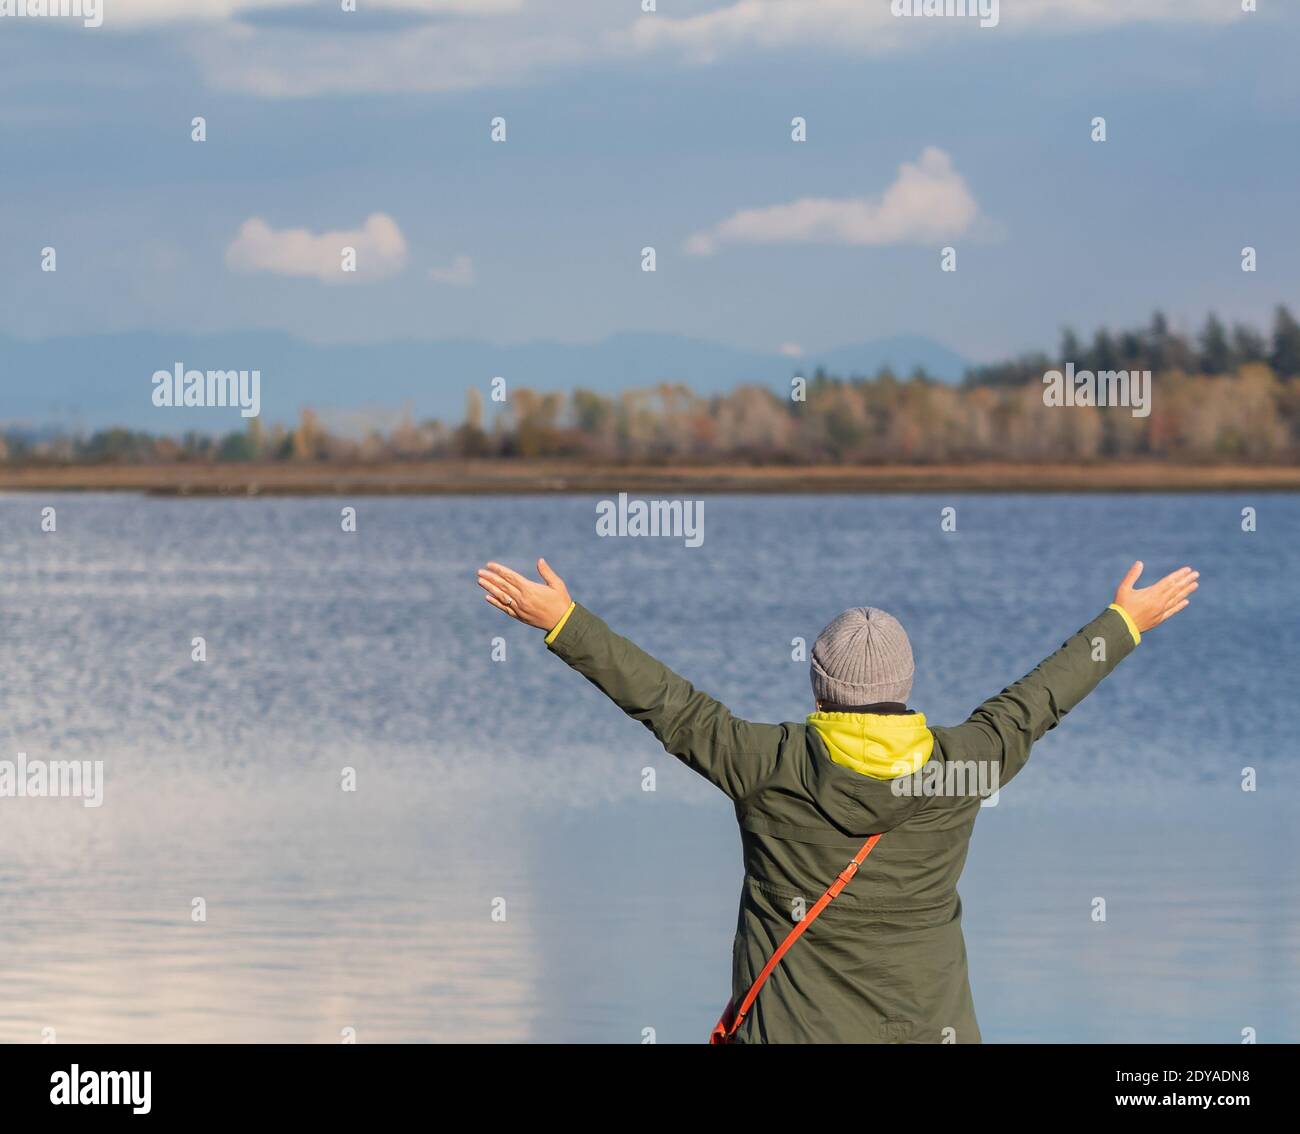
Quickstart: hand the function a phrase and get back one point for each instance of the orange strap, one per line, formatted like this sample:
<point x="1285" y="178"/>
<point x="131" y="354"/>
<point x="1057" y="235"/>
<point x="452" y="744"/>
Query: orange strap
<point x="727" y="1027"/>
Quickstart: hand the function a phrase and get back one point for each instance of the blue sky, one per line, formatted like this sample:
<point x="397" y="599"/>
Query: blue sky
<point x="628" y="129"/>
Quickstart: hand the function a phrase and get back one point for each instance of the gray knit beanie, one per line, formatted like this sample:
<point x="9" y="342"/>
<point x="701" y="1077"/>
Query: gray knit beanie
<point x="861" y="658"/>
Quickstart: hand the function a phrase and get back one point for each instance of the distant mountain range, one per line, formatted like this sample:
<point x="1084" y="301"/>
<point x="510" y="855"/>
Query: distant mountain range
<point x="93" y="381"/>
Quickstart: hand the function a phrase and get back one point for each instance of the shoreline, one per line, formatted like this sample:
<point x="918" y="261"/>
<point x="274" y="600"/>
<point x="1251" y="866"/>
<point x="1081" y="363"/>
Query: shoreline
<point x="543" y="477"/>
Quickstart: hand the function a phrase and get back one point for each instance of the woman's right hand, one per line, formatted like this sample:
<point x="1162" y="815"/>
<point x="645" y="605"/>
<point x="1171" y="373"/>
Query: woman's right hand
<point x="538" y="604"/>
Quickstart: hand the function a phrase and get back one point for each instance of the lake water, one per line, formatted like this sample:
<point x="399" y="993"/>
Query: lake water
<point x="480" y="780"/>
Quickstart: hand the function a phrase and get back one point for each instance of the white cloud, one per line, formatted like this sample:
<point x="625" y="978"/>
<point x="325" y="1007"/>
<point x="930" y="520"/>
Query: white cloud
<point x="454" y="54"/>
<point x="928" y="201"/>
<point x="380" y="250"/>
<point x="790" y="350"/>
<point x="859" y="26"/>
<point x="471" y="44"/>
<point x="459" y="273"/>
<point x="135" y="12"/>
<point x="769" y="24"/>
<point x="494" y="44"/>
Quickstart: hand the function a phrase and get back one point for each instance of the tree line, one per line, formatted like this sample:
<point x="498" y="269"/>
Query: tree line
<point x="1223" y="395"/>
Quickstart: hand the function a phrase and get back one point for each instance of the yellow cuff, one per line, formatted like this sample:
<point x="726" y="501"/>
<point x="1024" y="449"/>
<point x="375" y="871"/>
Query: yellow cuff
<point x="1124" y="614"/>
<point x="555" y="630"/>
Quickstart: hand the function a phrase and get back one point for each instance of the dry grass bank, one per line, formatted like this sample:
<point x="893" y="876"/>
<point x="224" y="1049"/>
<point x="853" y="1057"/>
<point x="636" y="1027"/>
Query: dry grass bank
<point x="511" y="477"/>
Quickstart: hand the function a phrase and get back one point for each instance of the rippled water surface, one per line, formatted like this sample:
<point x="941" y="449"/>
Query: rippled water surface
<point x="480" y="780"/>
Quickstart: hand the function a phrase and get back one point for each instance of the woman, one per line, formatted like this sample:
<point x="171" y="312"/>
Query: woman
<point x="885" y="962"/>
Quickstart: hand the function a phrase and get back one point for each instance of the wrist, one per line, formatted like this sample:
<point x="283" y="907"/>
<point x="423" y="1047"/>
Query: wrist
<point x="1129" y="621"/>
<point x="554" y="632"/>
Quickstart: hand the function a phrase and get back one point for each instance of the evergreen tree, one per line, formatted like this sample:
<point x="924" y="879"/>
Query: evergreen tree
<point x="1248" y="345"/>
<point x="1071" y="348"/>
<point x="1104" y="354"/>
<point x="1157" y="343"/>
<point x="1215" y="353"/>
<point x="1285" y="355"/>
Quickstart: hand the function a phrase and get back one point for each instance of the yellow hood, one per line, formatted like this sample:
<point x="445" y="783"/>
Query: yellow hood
<point x="883" y="746"/>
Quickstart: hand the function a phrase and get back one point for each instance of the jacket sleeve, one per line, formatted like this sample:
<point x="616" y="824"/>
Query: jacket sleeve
<point x="1004" y="728"/>
<point x="733" y="754"/>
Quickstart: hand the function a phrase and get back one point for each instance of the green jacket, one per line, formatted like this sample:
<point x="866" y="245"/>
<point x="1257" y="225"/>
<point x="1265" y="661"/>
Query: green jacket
<point x="886" y="962"/>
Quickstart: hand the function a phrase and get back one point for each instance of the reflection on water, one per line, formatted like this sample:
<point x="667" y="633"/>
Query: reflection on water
<point x="479" y="781"/>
